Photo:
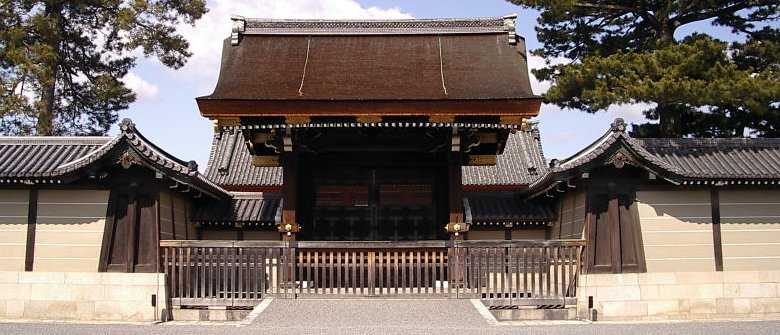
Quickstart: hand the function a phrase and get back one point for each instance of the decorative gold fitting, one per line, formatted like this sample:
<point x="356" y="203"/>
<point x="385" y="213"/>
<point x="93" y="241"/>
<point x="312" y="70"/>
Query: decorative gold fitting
<point x="289" y="228"/>
<point x="265" y="161"/>
<point x="476" y="160"/>
<point x="456" y="227"/>
<point x="229" y="122"/>
<point x="441" y="119"/>
<point x="368" y="119"/>
<point x="297" y="119"/>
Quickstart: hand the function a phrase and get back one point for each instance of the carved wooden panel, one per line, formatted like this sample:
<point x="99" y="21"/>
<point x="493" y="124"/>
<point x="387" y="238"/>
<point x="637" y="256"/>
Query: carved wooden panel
<point x="405" y="195"/>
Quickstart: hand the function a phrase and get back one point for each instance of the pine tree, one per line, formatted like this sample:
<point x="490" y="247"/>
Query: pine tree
<point x="622" y="52"/>
<point x="61" y="61"/>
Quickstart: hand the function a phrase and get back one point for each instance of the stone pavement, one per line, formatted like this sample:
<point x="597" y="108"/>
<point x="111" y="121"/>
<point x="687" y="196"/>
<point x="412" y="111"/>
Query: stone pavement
<point x="387" y="316"/>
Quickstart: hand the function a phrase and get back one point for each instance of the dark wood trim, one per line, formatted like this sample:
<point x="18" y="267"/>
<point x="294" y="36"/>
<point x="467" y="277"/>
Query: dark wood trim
<point x="156" y="193"/>
<point x="717" y="241"/>
<point x="32" y="222"/>
<point x="614" y="230"/>
<point x="524" y="107"/>
<point x="186" y="219"/>
<point x="641" y="260"/>
<point x="108" y="232"/>
<point x="455" y="188"/>
<point x="173" y="215"/>
<point x="560" y="214"/>
<point x="132" y="209"/>
<point x="290" y="162"/>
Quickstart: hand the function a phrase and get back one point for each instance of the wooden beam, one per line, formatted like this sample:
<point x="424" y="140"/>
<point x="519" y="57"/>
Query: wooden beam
<point x="229" y="110"/>
<point x="717" y="241"/>
<point x="32" y="219"/>
<point x="455" y="190"/>
<point x="289" y="194"/>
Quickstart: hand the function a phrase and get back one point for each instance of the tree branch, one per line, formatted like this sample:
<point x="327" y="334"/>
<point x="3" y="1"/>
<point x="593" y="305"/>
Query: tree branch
<point x="693" y="17"/>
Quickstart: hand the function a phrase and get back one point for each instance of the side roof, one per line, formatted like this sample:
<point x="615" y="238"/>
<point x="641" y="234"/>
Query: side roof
<point x="38" y="157"/>
<point x="714" y="161"/>
<point x="521" y="163"/>
<point x="718" y="158"/>
<point x="63" y="159"/>
<point x="230" y="164"/>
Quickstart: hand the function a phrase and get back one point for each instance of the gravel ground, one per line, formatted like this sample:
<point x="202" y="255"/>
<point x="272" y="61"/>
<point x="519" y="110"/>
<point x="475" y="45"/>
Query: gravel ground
<point x="374" y="316"/>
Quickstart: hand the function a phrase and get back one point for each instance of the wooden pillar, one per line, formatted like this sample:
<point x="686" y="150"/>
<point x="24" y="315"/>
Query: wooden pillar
<point x="456" y="225"/>
<point x="289" y="226"/>
<point x="614" y="229"/>
<point x="132" y="212"/>
<point x="32" y="221"/>
<point x="717" y="241"/>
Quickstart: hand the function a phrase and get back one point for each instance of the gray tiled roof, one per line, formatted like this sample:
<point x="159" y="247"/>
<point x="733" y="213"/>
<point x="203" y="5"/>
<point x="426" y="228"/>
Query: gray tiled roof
<point x="39" y="157"/>
<point x="684" y="160"/>
<point x="65" y="158"/>
<point x="244" y="207"/>
<point x="230" y="163"/>
<point x="500" y="209"/>
<point x="726" y="158"/>
<point x="521" y="163"/>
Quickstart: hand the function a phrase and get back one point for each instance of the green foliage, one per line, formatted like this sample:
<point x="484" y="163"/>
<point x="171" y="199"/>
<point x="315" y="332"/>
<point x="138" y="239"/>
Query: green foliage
<point x="626" y="52"/>
<point x="61" y="61"/>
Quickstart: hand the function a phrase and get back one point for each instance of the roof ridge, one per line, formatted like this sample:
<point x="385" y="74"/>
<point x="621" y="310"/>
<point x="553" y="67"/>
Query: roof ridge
<point x="498" y="24"/>
<point x="54" y="140"/>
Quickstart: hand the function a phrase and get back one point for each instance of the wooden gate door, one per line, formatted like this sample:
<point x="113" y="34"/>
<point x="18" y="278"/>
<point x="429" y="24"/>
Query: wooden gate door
<point x="373" y="204"/>
<point x="614" y="236"/>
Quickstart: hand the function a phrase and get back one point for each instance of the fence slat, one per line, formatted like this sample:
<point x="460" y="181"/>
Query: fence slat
<point x="242" y="273"/>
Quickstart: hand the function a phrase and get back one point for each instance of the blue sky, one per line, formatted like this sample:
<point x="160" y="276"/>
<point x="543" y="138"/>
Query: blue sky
<point x="167" y="114"/>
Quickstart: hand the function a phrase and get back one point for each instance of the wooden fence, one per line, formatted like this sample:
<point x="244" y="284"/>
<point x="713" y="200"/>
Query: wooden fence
<point x="501" y="273"/>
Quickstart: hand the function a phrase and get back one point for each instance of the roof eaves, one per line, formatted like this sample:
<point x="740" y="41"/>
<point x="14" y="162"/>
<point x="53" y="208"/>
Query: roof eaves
<point x="161" y="161"/>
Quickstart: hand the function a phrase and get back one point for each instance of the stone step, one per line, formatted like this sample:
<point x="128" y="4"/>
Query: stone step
<point x="532" y="313"/>
<point x="211" y="314"/>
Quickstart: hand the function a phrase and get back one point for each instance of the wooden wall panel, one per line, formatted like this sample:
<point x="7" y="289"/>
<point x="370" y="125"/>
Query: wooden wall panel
<point x="166" y="215"/>
<point x="180" y="217"/>
<point x="13" y="229"/>
<point x="676" y="230"/>
<point x="572" y="212"/>
<point x="750" y="229"/>
<point x="69" y="229"/>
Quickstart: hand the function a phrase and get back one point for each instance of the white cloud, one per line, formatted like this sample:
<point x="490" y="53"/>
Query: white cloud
<point x="206" y="37"/>
<point x="629" y="112"/>
<point x="536" y="62"/>
<point x="144" y="90"/>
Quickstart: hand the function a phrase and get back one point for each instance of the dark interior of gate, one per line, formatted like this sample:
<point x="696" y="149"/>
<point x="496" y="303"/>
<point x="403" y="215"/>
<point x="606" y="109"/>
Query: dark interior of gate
<point x="387" y="197"/>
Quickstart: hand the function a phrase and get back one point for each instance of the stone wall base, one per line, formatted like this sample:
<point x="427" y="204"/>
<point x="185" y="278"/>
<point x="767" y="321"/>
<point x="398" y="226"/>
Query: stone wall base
<point x="81" y="296"/>
<point x="680" y="295"/>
